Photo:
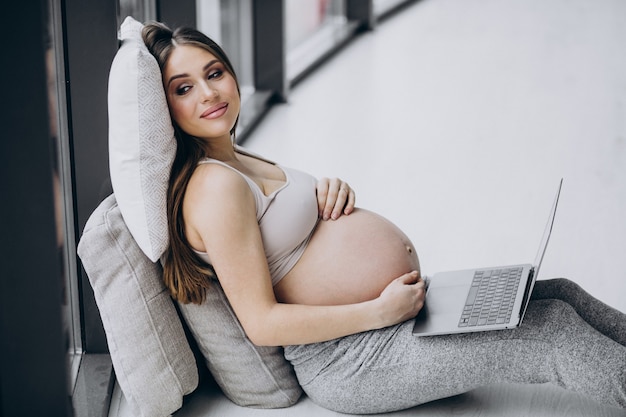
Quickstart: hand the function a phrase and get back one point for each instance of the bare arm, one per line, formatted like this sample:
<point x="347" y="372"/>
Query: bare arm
<point x="222" y="212"/>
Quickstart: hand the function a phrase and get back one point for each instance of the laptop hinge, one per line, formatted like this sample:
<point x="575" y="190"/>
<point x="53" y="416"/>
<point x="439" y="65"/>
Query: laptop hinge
<point x="527" y="292"/>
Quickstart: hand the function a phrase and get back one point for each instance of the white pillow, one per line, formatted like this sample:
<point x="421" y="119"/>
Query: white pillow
<point x="141" y="141"/>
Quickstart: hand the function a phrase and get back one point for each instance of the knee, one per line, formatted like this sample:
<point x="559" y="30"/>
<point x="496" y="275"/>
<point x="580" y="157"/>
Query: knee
<point x="552" y="308"/>
<point x="558" y="288"/>
<point x="565" y="284"/>
<point x="552" y="313"/>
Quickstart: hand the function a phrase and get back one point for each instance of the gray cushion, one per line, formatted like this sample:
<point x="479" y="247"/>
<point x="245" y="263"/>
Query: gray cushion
<point x="153" y="362"/>
<point x="249" y="375"/>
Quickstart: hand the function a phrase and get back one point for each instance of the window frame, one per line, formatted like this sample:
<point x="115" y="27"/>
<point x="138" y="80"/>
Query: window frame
<point x="71" y="311"/>
<point x="33" y="380"/>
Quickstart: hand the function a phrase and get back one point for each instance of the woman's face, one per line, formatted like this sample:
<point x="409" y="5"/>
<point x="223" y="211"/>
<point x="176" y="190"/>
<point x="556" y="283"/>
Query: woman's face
<point x="202" y="95"/>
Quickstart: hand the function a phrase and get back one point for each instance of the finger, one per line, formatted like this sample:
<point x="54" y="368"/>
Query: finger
<point x="331" y="198"/>
<point x="409" y="278"/>
<point x="421" y="283"/>
<point x="342" y="201"/>
<point x="322" y="194"/>
<point x="349" y="207"/>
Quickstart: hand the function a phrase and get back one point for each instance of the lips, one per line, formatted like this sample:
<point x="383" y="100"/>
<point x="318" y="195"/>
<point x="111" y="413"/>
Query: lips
<point x="215" y="111"/>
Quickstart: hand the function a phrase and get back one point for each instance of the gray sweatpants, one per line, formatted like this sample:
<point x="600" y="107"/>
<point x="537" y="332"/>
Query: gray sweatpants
<point x="568" y="338"/>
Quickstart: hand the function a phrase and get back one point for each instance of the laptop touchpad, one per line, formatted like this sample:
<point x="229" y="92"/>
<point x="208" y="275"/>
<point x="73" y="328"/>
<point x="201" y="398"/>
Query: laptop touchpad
<point x="446" y="300"/>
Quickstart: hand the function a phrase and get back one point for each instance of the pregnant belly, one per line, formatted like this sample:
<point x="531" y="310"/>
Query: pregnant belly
<point x="348" y="260"/>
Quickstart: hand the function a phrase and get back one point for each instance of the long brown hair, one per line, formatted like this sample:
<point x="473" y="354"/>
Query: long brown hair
<point x="185" y="275"/>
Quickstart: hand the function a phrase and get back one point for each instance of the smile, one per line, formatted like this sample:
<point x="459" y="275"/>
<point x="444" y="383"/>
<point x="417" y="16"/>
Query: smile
<point x="215" y="111"/>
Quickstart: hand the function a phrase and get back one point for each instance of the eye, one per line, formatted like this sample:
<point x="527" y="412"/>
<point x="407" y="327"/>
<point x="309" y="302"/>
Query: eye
<point x="215" y="74"/>
<point x="182" y="90"/>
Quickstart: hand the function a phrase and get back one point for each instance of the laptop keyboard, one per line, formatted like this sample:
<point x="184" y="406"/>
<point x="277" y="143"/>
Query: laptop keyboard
<point x="491" y="297"/>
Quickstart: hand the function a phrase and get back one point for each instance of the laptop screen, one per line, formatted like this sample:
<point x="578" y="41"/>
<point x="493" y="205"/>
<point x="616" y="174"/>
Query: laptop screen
<point x="547" y="231"/>
<point x="542" y="251"/>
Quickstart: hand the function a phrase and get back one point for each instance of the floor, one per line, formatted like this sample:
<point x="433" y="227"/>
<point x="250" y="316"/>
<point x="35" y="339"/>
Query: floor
<point x="456" y="119"/>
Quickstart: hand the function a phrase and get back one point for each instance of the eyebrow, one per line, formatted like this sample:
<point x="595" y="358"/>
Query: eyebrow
<point x="207" y="66"/>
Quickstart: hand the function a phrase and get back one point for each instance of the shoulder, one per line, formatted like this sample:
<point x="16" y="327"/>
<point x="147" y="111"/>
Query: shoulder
<point x="214" y="189"/>
<point x="214" y="177"/>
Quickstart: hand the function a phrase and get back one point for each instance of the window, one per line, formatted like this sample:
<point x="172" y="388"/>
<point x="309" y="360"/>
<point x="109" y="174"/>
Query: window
<point x="382" y="7"/>
<point x="229" y="23"/>
<point x="63" y="190"/>
<point x="313" y="29"/>
<point x="141" y="10"/>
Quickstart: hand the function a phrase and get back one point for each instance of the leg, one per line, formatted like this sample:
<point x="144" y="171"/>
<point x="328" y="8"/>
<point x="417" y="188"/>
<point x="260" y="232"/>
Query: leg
<point x="605" y="319"/>
<point x="391" y="369"/>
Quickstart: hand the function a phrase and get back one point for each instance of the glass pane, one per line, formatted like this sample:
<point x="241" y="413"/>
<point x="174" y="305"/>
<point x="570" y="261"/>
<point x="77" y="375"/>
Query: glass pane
<point x="304" y="18"/>
<point x="63" y="188"/>
<point x="313" y="28"/>
<point x="140" y="10"/>
<point x="229" y="23"/>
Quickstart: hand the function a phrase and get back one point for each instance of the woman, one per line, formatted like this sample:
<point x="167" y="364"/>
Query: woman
<point x="336" y="285"/>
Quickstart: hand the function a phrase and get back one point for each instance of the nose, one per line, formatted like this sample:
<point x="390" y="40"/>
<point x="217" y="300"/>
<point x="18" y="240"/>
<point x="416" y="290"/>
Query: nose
<point x="208" y="92"/>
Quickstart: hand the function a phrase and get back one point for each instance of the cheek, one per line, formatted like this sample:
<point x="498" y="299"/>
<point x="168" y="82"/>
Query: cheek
<point x="180" y="112"/>
<point x="234" y="90"/>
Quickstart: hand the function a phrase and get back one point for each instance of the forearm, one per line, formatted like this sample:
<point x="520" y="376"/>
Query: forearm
<point x="278" y="324"/>
<point x="293" y="324"/>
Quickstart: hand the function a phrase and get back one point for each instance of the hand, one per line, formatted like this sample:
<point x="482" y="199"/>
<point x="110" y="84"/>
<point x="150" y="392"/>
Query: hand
<point x="334" y="198"/>
<point x="402" y="299"/>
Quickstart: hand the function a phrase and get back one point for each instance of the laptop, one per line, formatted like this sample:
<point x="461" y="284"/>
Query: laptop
<point x="483" y="299"/>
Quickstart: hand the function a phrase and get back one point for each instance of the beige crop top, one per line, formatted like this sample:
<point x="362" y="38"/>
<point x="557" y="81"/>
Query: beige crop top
<point x="287" y="218"/>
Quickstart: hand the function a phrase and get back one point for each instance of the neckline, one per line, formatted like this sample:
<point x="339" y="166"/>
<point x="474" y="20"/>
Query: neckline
<point x="251" y="181"/>
<point x="276" y="191"/>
